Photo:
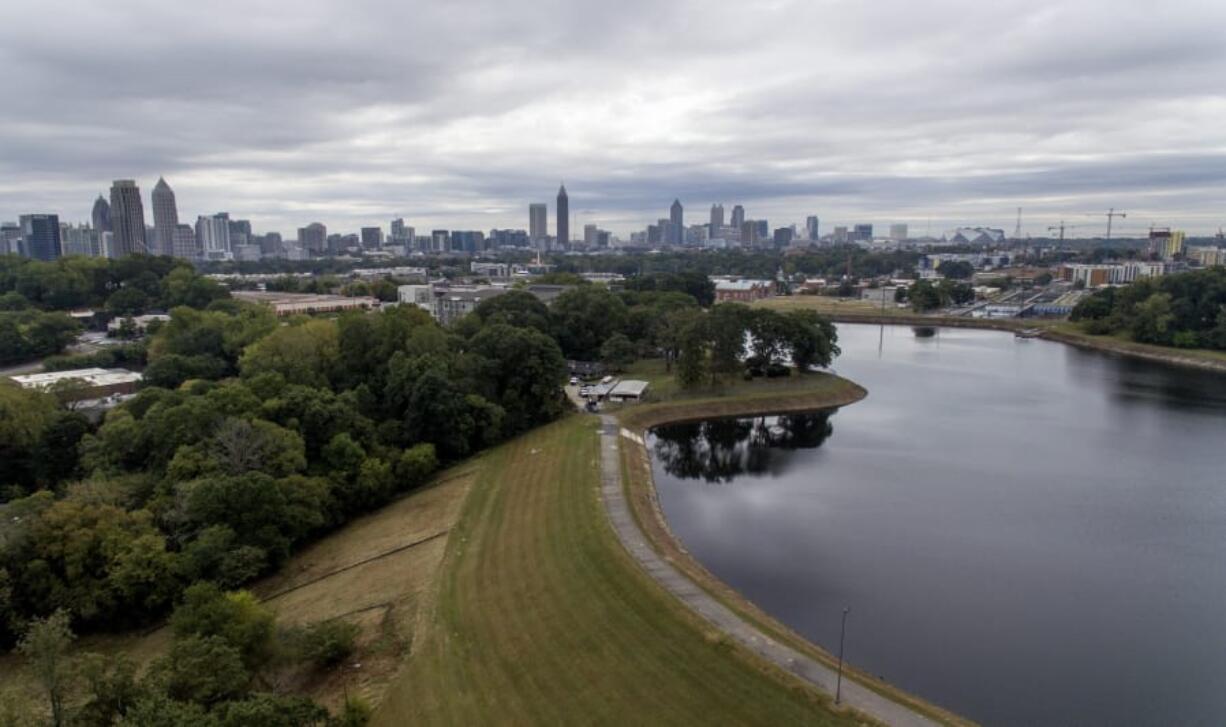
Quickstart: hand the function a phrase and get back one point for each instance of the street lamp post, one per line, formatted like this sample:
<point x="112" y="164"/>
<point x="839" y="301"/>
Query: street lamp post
<point x="838" y="689"/>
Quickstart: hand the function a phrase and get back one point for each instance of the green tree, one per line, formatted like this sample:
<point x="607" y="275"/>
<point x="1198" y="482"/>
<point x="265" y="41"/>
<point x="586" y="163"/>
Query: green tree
<point x="1152" y="320"/>
<point x="618" y="352"/>
<point x="692" y="358"/>
<point x="202" y="670"/>
<point x="521" y="370"/>
<point x="810" y="339"/>
<point x="236" y="617"/>
<point x="584" y="317"/>
<point x="415" y="466"/>
<point x="111" y="689"/>
<point x="726" y="327"/>
<point x="304" y="354"/>
<point x="45" y="645"/>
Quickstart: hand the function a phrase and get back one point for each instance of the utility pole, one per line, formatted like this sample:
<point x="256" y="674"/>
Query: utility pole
<point x="838" y="688"/>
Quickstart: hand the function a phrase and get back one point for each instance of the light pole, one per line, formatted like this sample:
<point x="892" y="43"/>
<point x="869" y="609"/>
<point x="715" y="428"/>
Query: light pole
<point x="838" y="688"/>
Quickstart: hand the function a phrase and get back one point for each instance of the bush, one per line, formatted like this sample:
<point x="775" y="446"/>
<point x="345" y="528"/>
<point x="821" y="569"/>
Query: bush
<point x="327" y="643"/>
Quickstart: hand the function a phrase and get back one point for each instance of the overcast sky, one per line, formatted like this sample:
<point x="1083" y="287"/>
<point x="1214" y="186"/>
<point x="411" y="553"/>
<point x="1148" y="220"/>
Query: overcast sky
<point x="458" y="114"/>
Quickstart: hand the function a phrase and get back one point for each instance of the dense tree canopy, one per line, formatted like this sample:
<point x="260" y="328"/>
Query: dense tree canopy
<point x="1186" y="310"/>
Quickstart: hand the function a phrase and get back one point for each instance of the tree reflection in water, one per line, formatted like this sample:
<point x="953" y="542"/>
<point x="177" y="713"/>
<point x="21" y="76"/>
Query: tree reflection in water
<point x="717" y="450"/>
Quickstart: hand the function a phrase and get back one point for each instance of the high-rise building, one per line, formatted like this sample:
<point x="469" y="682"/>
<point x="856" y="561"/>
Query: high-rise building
<point x="213" y="236"/>
<point x="898" y="232"/>
<point x="676" y="220"/>
<point x="738" y="216"/>
<point x="1164" y="243"/>
<point x="764" y="229"/>
<point x="440" y="241"/>
<point x="811" y="228"/>
<point x="840" y="234"/>
<point x="80" y="240"/>
<point x="400" y="232"/>
<point x="313" y="238"/>
<point x="784" y="236"/>
<point x="563" y="221"/>
<point x="165" y="217"/>
<point x="717" y="218"/>
<point x="271" y="244"/>
<point x="862" y="232"/>
<point x="589" y="235"/>
<point x="184" y="241"/>
<point x="372" y="238"/>
<point x="538" y="222"/>
<point x="101" y="215"/>
<point x="749" y="232"/>
<point x="127" y="219"/>
<point x="10" y="238"/>
<point x="40" y="235"/>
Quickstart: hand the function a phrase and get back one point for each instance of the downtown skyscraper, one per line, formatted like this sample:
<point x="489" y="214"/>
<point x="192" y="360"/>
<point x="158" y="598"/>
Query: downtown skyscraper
<point x="165" y="219"/>
<point x="127" y="219"/>
<point x="538" y="222"/>
<point x="563" y="217"/>
<point x="676" y="223"/>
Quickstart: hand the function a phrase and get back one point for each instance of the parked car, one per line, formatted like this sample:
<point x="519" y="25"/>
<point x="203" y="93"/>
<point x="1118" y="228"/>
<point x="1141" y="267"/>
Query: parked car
<point x="574" y="380"/>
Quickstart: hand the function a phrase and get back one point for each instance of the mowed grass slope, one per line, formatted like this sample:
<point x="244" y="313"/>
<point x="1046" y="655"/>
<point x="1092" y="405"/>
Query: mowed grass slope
<point x="543" y="618"/>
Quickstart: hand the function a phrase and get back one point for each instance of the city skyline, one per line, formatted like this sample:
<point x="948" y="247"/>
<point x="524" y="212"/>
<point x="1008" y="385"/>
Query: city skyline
<point x="887" y="115"/>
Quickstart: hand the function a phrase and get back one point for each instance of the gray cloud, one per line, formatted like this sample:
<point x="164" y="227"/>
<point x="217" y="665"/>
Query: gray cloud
<point x="459" y="114"/>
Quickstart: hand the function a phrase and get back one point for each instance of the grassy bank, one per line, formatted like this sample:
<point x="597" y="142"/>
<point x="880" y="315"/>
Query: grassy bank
<point x="542" y="617"/>
<point x="799" y="394"/>
<point x="856" y="311"/>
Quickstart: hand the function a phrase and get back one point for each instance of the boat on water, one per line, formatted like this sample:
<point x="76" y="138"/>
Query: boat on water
<point x="1028" y="333"/>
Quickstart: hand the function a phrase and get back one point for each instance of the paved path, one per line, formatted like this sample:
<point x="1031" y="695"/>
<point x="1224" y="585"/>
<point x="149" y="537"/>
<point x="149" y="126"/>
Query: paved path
<point x="632" y="537"/>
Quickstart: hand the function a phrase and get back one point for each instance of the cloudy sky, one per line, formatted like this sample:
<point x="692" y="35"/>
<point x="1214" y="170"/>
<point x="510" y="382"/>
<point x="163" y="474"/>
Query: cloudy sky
<point x="459" y="113"/>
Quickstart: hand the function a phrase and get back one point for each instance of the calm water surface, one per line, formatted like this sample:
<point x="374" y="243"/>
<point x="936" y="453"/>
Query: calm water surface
<point x="1026" y="533"/>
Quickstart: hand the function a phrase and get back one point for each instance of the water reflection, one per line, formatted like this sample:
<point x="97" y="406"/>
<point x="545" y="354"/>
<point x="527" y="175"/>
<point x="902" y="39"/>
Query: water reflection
<point x="718" y="450"/>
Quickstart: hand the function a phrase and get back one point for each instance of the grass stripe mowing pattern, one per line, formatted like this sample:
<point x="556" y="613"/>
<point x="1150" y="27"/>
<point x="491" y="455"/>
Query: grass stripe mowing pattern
<point x="542" y="618"/>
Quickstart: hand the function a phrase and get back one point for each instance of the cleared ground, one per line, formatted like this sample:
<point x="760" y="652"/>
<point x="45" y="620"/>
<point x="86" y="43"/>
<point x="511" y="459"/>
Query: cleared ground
<point x="542" y="617"/>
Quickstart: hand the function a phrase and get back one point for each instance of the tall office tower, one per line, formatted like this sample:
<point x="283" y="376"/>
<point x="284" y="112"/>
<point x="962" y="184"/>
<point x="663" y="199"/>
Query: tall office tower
<point x="717" y="218"/>
<point x="79" y="240"/>
<point x="127" y="219"/>
<point x="898" y="232"/>
<point x="862" y="232"/>
<point x="165" y="218"/>
<point x="811" y="232"/>
<point x="10" y="238"/>
<point x="749" y="232"/>
<point x="313" y="237"/>
<point x="372" y="238"/>
<point x="676" y="217"/>
<point x="840" y="234"/>
<point x="270" y="244"/>
<point x="101" y="215"/>
<point x="399" y="231"/>
<point x="440" y="241"/>
<point x="538" y="223"/>
<point x="738" y="216"/>
<point x="41" y="236"/>
<point x="764" y="230"/>
<point x="213" y="236"/>
<point x="184" y="242"/>
<point x="590" y="233"/>
<point x="563" y="217"/>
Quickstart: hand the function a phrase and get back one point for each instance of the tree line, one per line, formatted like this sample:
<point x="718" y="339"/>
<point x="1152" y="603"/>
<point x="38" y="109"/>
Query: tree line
<point x="1187" y="310"/>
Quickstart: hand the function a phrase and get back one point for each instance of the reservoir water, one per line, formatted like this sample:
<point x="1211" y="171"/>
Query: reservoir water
<point x="1026" y="533"/>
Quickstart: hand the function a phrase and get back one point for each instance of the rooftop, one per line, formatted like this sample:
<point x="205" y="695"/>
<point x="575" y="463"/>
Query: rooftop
<point x="92" y="377"/>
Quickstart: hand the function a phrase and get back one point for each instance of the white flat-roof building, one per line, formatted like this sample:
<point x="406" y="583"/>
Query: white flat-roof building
<point x="628" y="389"/>
<point x="93" y="382"/>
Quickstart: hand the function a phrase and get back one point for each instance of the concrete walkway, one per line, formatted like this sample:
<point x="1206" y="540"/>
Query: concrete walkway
<point x="632" y="537"/>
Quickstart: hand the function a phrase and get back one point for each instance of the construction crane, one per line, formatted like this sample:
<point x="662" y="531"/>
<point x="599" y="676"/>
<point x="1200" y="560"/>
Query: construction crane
<point x="1061" y="228"/>
<point x="1111" y="214"/>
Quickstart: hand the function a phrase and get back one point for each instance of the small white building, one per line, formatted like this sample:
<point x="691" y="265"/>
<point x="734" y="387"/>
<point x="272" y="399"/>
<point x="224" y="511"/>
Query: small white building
<point x="628" y="390"/>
